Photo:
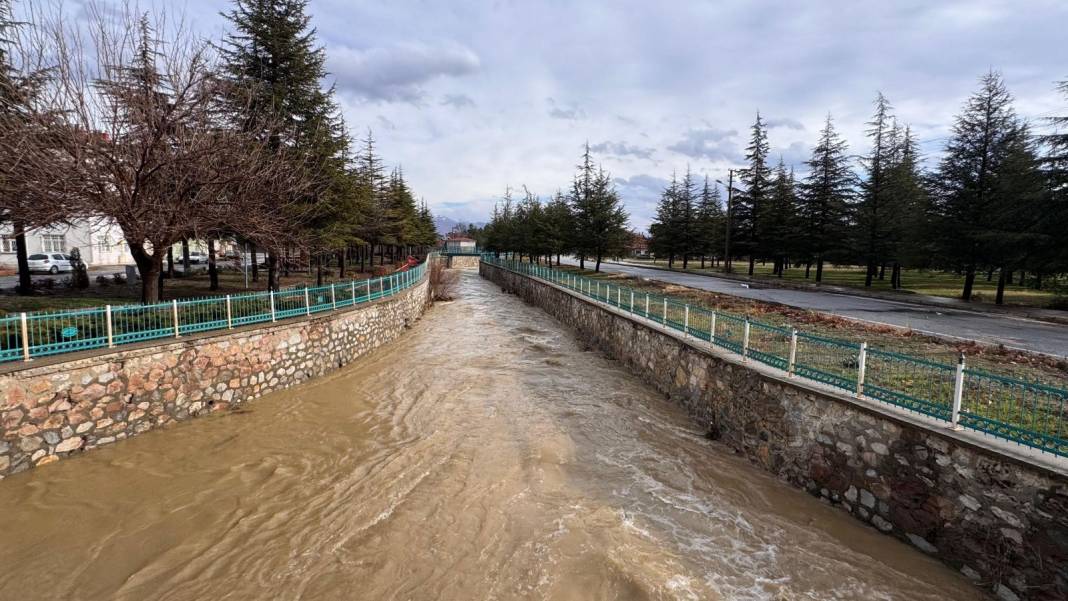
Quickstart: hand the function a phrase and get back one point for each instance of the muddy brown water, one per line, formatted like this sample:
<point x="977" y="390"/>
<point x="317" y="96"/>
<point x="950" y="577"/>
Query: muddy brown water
<point x="485" y="455"/>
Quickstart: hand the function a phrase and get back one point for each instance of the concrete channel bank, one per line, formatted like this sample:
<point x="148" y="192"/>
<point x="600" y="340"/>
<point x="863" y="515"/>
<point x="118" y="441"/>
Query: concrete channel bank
<point x="51" y="409"/>
<point x="999" y="517"/>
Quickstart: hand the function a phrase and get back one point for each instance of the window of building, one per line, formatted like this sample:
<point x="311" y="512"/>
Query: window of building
<point x="53" y="243"/>
<point x="7" y="244"/>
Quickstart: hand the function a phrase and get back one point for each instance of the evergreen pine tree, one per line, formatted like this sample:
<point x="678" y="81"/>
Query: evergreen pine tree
<point x="747" y="212"/>
<point x="710" y="222"/>
<point x="969" y="198"/>
<point x="872" y="223"/>
<point x="824" y="199"/>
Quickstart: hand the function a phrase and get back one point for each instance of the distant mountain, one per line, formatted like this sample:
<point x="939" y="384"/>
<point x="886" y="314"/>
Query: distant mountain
<point x="444" y="225"/>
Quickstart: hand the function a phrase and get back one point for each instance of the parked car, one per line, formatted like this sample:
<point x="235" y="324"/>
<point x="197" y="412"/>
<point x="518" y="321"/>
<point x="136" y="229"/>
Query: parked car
<point x="196" y="257"/>
<point x="50" y="263"/>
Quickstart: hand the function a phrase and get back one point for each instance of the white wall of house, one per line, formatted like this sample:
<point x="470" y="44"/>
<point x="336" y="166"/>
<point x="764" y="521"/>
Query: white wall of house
<point x="100" y="243"/>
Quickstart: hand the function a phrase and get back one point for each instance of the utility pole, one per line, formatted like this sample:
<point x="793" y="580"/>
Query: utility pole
<point x="727" y="233"/>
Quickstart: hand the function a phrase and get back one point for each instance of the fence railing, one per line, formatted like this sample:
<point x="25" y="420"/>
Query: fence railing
<point x="1029" y="413"/>
<point x="24" y="336"/>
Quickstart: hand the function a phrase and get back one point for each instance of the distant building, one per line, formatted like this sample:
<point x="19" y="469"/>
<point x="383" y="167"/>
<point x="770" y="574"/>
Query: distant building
<point x="638" y="245"/>
<point x="460" y="244"/>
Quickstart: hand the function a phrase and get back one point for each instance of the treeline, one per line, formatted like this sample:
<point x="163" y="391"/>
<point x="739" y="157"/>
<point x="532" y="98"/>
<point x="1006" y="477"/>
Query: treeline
<point x="588" y="222"/>
<point x="170" y="137"/>
<point x="996" y="203"/>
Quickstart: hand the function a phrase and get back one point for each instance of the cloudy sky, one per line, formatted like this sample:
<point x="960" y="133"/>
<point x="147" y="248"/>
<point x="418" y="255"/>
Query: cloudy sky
<point x="471" y="97"/>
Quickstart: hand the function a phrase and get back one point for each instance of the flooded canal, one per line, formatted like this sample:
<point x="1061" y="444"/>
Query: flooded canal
<point x="485" y="455"/>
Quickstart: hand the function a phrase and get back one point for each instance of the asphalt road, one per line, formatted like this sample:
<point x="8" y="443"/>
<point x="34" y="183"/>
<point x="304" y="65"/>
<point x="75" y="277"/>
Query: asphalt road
<point x="1014" y="332"/>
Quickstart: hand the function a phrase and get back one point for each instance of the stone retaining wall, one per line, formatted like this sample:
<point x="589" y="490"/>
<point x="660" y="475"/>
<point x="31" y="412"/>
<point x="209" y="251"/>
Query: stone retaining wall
<point x="50" y="410"/>
<point x="1001" y="521"/>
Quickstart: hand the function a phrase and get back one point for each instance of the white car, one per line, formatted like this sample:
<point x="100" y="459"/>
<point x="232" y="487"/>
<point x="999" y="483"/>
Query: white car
<point x="50" y="263"/>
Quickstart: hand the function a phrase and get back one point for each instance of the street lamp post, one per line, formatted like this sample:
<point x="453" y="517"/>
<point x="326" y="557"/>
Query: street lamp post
<point x="727" y="232"/>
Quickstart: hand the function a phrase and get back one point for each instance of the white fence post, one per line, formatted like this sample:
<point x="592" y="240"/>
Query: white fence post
<point x="333" y="297"/>
<point x="712" y="329"/>
<point x="174" y="310"/>
<point x="229" y="314"/>
<point x="352" y="286"/>
<point x="632" y="301"/>
<point x="271" y="294"/>
<point x="686" y="322"/>
<point x="25" y="336"/>
<point x="647" y="305"/>
<point x="745" y="341"/>
<point x="665" y="311"/>
<point x="368" y="289"/>
<point x="862" y="365"/>
<point x="793" y="354"/>
<point x="111" y="337"/>
<point x="307" y="302"/>
<point x="958" y="393"/>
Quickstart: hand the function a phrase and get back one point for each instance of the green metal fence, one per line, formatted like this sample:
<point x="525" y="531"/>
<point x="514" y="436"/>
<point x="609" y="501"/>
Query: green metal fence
<point x="24" y="336"/>
<point x="1028" y="413"/>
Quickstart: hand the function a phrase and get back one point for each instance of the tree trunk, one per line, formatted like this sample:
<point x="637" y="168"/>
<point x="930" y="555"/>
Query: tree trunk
<point x="598" y="267"/>
<point x="882" y="272"/>
<point x="170" y="262"/>
<point x="869" y="274"/>
<point x="272" y="270"/>
<point x="318" y="270"/>
<point x="1038" y="280"/>
<point x="22" y="257"/>
<point x="999" y="298"/>
<point x="685" y="260"/>
<point x="969" y="282"/>
<point x="990" y="274"/>
<point x="213" y="271"/>
<point x="808" y="268"/>
<point x="895" y="277"/>
<point x="185" y="256"/>
<point x="255" y="265"/>
<point x="819" y="269"/>
<point x="285" y="261"/>
<point x="341" y="264"/>
<point x="149" y="268"/>
<point x="582" y="261"/>
<point x="752" y="262"/>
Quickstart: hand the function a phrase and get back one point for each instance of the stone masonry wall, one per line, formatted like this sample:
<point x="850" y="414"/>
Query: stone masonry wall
<point x="53" y="410"/>
<point x="1000" y="521"/>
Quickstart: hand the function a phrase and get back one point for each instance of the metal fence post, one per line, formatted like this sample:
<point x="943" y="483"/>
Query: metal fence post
<point x="107" y="316"/>
<point x="712" y="329"/>
<point x="352" y="286"/>
<point x="647" y="305"/>
<point x="25" y="336"/>
<point x="333" y="297"/>
<point x="174" y="310"/>
<point x="368" y="290"/>
<point x="665" y="310"/>
<point x="229" y="314"/>
<point x="619" y="296"/>
<point x="271" y="294"/>
<point x="862" y="364"/>
<point x="958" y="393"/>
<point x="307" y="302"/>
<point x="745" y="341"/>
<point x="686" y="322"/>
<point x="793" y="354"/>
<point x="632" y="301"/>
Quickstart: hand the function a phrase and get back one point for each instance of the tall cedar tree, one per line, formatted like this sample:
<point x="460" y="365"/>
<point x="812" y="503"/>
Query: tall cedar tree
<point x="824" y="199"/>
<point x="710" y="222"/>
<point x="778" y="224"/>
<point x="561" y="223"/>
<point x="748" y="211"/>
<point x="970" y="197"/>
<point x="272" y="59"/>
<point x="600" y="219"/>
<point x="908" y="210"/>
<point x="666" y="240"/>
<point x="871" y="214"/>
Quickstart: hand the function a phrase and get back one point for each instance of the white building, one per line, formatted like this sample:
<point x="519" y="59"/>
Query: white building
<point x="99" y="242"/>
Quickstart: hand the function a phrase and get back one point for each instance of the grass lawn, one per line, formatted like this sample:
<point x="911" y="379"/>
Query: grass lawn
<point x="929" y="282"/>
<point x="195" y="285"/>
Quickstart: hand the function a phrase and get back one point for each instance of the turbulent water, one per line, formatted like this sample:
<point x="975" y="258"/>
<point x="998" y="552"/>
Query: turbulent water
<point x="485" y="455"/>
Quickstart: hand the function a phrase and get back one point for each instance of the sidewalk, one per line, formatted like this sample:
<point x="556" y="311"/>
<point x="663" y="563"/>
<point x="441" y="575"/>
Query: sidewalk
<point x="1047" y="315"/>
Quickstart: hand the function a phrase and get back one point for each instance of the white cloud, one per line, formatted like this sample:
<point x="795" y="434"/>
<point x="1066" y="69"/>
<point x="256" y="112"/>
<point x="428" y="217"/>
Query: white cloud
<point x="398" y="72"/>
